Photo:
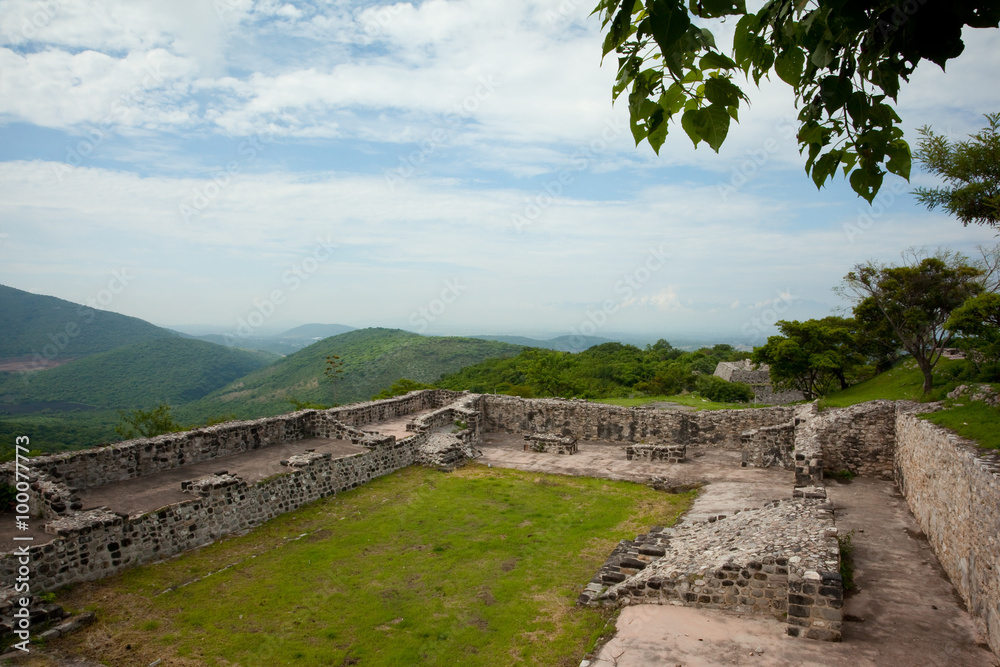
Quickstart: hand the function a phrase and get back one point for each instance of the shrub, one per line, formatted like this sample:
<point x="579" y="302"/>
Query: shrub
<point x="716" y="389"/>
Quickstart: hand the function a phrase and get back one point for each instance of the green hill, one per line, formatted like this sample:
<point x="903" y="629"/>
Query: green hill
<point x="171" y="369"/>
<point x="373" y="359"/>
<point x="56" y="329"/>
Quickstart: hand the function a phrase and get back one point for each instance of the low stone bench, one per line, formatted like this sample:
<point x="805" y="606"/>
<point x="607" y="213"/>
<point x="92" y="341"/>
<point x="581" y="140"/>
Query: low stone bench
<point x="552" y="444"/>
<point x="668" y="453"/>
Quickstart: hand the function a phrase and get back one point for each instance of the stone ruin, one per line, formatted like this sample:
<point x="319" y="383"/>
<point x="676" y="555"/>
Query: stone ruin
<point x="759" y="379"/>
<point x="780" y="559"/>
<point x="668" y="453"/>
<point x="548" y="442"/>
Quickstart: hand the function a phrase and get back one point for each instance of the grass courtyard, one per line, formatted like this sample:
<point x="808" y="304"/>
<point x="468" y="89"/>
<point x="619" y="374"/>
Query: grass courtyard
<point x="481" y="566"/>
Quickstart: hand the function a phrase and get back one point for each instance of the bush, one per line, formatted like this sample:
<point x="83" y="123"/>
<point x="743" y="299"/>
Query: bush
<point x="716" y="389"/>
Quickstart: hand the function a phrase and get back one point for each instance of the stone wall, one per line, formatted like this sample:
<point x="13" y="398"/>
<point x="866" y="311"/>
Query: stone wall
<point x="769" y="446"/>
<point x="953" y="490"/>
<point x="89" y="545"/>
<point x="597" y="421"/>
<point x="144" y="456"/>
<point x="860" y="438"/>
<point x="742" y="562"/>
<point x="94" y="544"/>
<point x="759" y="378"/>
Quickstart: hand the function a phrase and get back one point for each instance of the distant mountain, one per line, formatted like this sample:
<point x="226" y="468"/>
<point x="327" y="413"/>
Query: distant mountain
<point x="561" y="343"/>
<point x="316" y="331"/>
<point x="281" y="344"/>
<point x="172" y="369"/>
<point x="38" y="328"/>
<point x="373" y="359"/>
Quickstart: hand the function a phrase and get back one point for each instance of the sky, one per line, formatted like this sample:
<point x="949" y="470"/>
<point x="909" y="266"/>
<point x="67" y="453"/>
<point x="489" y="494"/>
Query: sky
<point x="446" y="167"/>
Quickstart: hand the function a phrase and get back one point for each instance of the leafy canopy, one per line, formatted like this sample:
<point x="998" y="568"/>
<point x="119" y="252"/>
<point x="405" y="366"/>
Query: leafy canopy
<point x="970" y="168"/>
<point x="916" y="300"/>
<point x="843" y="58"/>
<point x="147" y="423"/>
<point x="814" y="356"/>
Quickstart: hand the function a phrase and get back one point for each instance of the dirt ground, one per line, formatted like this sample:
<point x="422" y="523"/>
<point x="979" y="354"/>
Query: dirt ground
<point x="905" y="613"/>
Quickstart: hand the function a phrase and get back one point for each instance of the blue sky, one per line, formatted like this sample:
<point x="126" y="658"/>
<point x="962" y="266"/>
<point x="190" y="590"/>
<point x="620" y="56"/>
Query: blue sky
<point x="444" y="167"/>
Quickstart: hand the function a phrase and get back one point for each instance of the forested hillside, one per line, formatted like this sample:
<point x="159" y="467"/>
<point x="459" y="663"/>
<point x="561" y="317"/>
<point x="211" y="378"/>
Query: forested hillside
<point x="56" y="329"/>
<point x="607" y="370"/>
<point x="172" y="369"/>
<point x="372" y="360"/>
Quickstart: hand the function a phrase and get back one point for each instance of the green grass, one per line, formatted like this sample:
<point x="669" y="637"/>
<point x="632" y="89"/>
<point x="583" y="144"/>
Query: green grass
<point x="904" y="381"/>
<point x="973" y="420"/>
<point x="693" y="400"/>
<point x="477" y="567"/>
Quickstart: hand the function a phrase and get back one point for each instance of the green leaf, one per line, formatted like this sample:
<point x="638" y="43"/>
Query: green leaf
<point x="825" y="166"/>
<point x="690" y="124"/>
<point x="899" y="159"/>
<point x="745" y="39"/>
<point x="789" y="65"/>
<point x="668" y="21"/>
<point x="658" y="124"/>
<point x="711" y="124"/>
<point x="715" y="60"/>
<point x="720" y="90"/>
<point x="866" y="183"/>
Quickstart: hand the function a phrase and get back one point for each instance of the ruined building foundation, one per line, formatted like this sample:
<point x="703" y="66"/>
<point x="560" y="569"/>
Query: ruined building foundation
<point x="779" y="560"/>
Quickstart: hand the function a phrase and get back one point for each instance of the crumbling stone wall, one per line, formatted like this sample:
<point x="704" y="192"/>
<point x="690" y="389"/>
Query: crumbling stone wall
<point x="759" y="378"/>
<point x="597" y="421"/>
<point x="741" y="562"/>
<point x="97" y="466"/>
<point x="769" y="446"/>
<point x="953" y="490"/>
<point x="860" y="438"/>
<point x="89" y="545"/>
<point x="94" y="544"/>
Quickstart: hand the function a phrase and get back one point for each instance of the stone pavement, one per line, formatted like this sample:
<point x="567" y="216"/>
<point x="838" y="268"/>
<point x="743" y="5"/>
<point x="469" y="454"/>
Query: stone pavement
<point x="905" y="614"/>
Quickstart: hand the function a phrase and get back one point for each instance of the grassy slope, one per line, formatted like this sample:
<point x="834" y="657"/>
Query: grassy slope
<point x="373" y="359"/>
<point x="37" y="324"/>
<point x="172" y="369"/>
<point x="388" y="574"/>
<point x="975" y="421"/>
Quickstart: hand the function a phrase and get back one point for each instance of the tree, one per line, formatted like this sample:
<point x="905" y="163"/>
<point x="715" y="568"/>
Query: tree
<point x="146" y="423"/>
<point x="334" y="370"/>
<point x="970" y="168"/>
<point x="842" y="59"/>
<point x="814" y="356"/>
<point x="916" y="300"/>
<point x="400" y="387"/>
<point x="978" y="322"/>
